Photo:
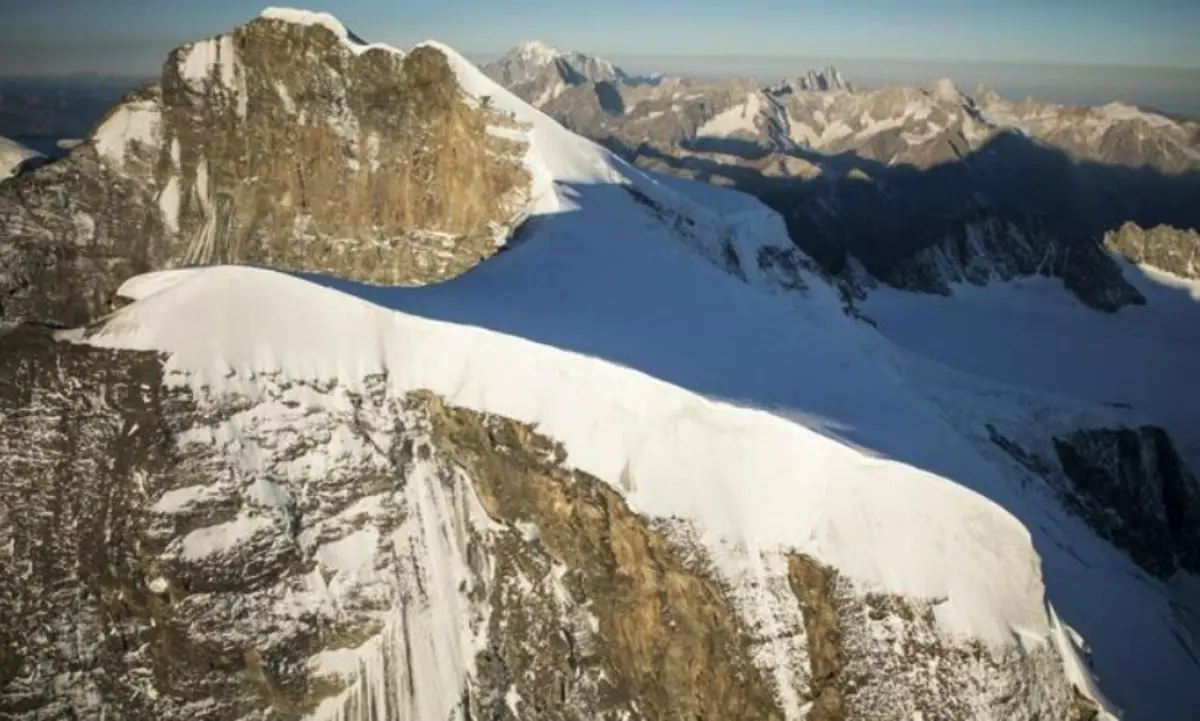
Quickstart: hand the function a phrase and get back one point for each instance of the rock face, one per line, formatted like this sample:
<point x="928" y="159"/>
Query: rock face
<point x="990" y="245"/>
<point x="1131" y="485"/>
<point x="280" y="144"/>
<point x="1162" y="247"/>
<point x="827" y="78"/>
<point x="855" y="171"/>
<point x="304" y="550"/>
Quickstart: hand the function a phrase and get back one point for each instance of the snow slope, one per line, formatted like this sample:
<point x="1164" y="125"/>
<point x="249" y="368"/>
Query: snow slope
<point x="12" y="156"/>
<point x="1030" y="333"/>
<point x="772" y="423"/>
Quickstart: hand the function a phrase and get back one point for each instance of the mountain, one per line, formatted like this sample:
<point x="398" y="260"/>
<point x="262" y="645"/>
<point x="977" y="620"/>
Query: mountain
<point x="357" y="160"/>
<point x="889" y="177"/>
<point x="538" y="72"/>
<point x="826" y="78"/>
<point x="645" y="459"/>
<point x="16" y="158"/>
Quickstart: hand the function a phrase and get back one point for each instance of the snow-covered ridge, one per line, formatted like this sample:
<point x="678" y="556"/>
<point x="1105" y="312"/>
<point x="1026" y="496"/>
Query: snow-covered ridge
<point x="325" y="20"/>
<point x="760" y="480"/>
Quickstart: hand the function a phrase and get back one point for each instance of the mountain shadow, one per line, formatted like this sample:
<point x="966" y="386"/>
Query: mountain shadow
<point x="885" y="215"/>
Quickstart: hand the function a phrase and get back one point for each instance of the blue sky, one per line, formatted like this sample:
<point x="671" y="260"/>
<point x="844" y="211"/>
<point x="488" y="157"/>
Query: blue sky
<point x="131" y="35"/>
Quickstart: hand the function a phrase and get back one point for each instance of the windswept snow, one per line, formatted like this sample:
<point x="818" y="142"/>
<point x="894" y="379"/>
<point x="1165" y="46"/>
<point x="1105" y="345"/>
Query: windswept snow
<point x="215" y="60"/>
<point x="325" y="20"/>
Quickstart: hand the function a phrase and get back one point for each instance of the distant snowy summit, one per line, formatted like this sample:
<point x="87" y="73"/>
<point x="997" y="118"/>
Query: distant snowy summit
<point x="538" y="71"/>
<point x="816" y="80"/>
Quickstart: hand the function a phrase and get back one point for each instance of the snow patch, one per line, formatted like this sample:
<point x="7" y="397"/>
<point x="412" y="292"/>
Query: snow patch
<point x="742" y="118"/>
<point x="131" y="124"/>
<point x="181" y="499"/>
<point x="168" y="204"/>
<point x="222" y="538"/>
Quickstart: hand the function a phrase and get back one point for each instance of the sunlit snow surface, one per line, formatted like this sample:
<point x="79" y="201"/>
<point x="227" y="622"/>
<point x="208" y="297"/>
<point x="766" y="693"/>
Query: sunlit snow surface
<point x="772" y="420"/>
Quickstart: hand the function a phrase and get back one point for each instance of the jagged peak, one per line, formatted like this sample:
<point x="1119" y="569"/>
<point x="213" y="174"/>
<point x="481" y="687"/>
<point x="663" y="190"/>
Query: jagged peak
<point x="816" y="80"/>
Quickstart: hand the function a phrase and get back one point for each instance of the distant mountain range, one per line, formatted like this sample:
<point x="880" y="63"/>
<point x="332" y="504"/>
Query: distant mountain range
<point x="880" y="176"/>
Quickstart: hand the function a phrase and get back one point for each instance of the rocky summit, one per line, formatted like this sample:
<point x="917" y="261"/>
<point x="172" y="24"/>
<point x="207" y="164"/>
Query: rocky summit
<point x="340" y="383"/>
<point x="277" y="144"/>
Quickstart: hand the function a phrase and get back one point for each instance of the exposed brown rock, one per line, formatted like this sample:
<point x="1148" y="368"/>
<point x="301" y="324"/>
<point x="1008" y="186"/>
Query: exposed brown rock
<point x="1162" y="247"/>
<point x="880" y="656"/>
<point x="293" y="152"/>
<point x="667" y="637"/>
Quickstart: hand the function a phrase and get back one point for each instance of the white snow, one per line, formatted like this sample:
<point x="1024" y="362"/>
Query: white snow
<point x="1123" y="112"/>
<point x="430" y="639"/>
<point x="12" y="156"/>
<point x="1032" y="333"/>
<point x="168" y="204"/>
<point x="351" y="557"/>
<point x="181" y="499"/>
<point x="136" y="122"/>
<point x="1056" y="366"/>
<point x="222" y="538"/>
<point x="215" y="61"/>
<point x="742" y="117"/>
<point x="943" y="90"/>
<point x="762" y="480"/>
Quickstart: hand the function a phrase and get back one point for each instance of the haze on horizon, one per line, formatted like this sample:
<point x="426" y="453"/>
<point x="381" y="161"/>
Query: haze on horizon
<point x="1074" y="51"/>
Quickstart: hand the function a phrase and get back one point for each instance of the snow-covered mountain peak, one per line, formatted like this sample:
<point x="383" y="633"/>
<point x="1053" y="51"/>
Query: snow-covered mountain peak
<point x="944" y="90"/>
<point x="537" y="51"/>
<point x="541" y="72"/>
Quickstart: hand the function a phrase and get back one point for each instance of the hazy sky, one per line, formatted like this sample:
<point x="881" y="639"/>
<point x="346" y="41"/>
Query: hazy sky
<point x="132" y="36"/>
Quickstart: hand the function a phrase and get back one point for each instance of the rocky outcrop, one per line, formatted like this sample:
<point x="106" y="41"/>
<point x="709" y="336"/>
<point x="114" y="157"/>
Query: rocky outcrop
<point x="875" y="656"/>
<point x="286" y="548"/>
<point x="1162" y="247"/>
<point x="996" y="246"/>
<point x="1132" y="487"/>
<point x="280" y="144"/>
<point x="1128" y="483"/>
